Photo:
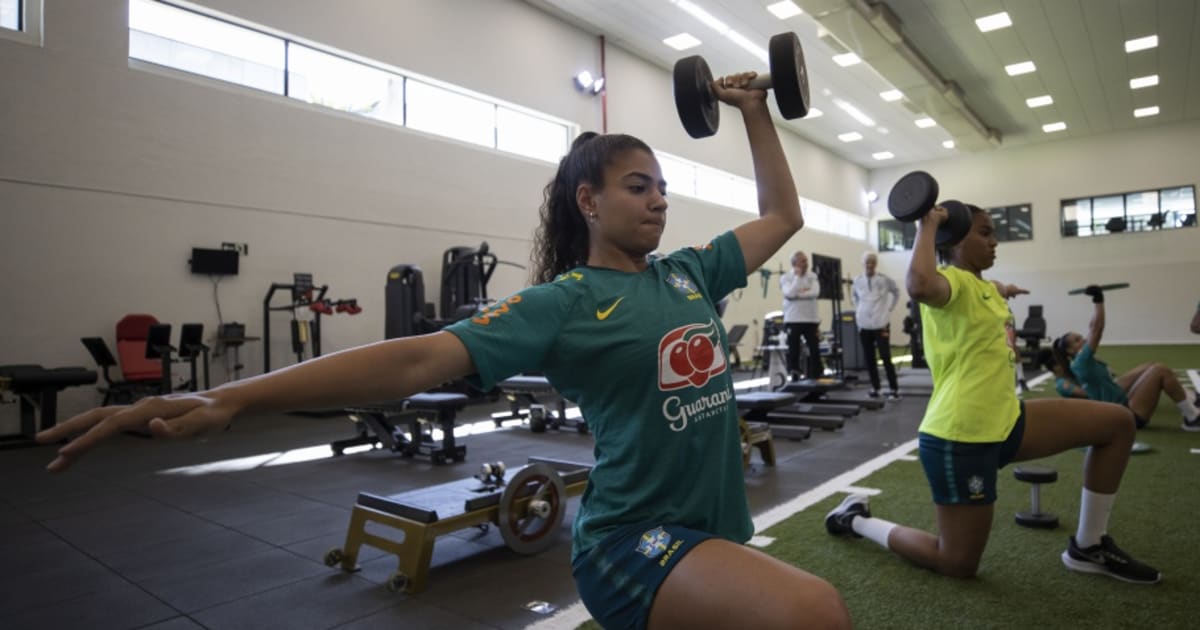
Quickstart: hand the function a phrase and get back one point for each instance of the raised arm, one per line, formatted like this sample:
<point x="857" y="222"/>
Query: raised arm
<point x="1096" y="326"/>
<point x="778" y="202"/>
<point x="382" y="371"/>
<point x="923" y="281"/>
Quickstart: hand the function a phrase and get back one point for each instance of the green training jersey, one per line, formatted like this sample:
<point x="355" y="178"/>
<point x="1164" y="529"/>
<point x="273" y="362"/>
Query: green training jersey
<point x="644" y="357"/>
<point x="969" y="344"/>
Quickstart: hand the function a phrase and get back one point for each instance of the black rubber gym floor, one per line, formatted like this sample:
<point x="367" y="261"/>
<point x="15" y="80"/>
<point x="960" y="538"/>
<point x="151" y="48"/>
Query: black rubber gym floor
<point x="143" y="535"/>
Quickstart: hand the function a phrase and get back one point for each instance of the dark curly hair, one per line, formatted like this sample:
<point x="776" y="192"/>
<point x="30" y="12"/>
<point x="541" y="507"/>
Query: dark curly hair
<point x="561" y="240"/>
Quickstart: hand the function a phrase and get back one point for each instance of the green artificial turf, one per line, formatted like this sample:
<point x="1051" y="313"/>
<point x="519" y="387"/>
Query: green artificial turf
<point x="1022" y="583"/>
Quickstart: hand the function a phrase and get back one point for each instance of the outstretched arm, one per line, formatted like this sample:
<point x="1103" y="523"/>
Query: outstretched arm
<point x="1009" y="291"/>
<point x="778" y="202"/>
<point x="382" y="371"/>
<point x="1096" y="327"/>
<point x="923" y="281"/>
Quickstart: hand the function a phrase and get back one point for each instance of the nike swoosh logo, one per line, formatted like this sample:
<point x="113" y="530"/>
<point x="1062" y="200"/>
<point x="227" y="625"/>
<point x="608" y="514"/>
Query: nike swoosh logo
<point x="603" y="315"/>
<point x="986" y="296"/>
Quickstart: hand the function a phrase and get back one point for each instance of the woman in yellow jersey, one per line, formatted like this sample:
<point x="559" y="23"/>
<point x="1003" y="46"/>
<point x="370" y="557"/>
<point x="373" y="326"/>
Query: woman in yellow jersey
<point x="975" y="425"/>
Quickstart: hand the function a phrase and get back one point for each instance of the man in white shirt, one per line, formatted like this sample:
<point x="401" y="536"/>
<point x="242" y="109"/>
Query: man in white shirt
<point x="874" y="295"/>
<point x="801" y="288"/>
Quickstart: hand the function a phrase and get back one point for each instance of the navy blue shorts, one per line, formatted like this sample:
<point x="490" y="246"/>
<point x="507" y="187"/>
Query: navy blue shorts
<point x="619" y="577"/>
<point x="964" y="473"/>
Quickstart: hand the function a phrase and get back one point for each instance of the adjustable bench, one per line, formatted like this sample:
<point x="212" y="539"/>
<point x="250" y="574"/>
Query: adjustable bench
<point x="38" y="387"/>
<point x="756" y="407"/>
<point x="531" y="392"/>
<point x="386" y="423"/>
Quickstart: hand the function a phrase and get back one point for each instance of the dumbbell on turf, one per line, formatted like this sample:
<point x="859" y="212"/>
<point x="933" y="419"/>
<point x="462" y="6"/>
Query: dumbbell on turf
<point x="916" y="194"/>
<point x="698" y="106"/>
<point x="1036" y="476"/>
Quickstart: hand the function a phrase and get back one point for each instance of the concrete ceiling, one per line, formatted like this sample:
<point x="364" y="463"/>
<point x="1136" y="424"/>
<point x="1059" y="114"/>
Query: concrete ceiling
<point x="948" y="69"/>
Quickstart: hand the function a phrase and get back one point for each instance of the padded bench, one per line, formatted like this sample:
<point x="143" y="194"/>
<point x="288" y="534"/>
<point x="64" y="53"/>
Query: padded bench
<point x="38" y="387"/>
<point x="757" y="407"/>
<point x="532" y="391"/>
<point x="405" y="426"/>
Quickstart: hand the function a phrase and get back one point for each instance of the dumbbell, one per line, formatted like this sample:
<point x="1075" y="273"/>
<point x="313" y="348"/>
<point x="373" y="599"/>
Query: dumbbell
<point x="1103" y="287"/>
<point x="916" y="194"/>
<point x="698" y="106"/>
<point x="1036" y="476"/>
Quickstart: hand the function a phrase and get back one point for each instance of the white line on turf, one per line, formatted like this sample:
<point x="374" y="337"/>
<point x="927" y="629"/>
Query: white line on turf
<point x="1196" y="451"/>
<point x="861" y="490"/>
<point x="760" y="541"/>
<point x="908" y="458"/>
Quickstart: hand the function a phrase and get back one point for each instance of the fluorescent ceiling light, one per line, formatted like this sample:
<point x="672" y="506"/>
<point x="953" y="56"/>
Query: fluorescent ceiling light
<point x="854" y="112"/>
<point x="1052" y="127"/>
<point x="883" y="155"/>
<point x="754" y="49"/>
<point x="702" y="15"/>
<point x="846" y="59"/>
<point x="993" y="22"/>
<point x="891" y="96"/>
<point x="925" y="123"/>
<point x="784" y="10"/>
<point x="1141" y="43"/>
<point x="949" y="144"/>
<point x="1142" y="112"/>
<point x="1039" y="101"/>
<point x="1025" y="67"/>
<point x="1141" y="82"/>
<point x="682" y="41"/>
<point x="853" y="136"/>
<point x="813" y="112"/>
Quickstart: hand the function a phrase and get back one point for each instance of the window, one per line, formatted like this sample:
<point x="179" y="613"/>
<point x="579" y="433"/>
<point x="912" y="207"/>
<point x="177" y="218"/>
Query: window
<point x="216" y="47"/>
<point x="21" y="21"/>
<point x="895" y="236"/>
<point x="194" y="43"/>
<point x="10" y="14"/>
<point x="1013" y="223"/>
<point x="1141" y="211"/>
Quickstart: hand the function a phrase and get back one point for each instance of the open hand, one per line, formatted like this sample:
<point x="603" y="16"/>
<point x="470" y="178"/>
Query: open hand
<point x="172" y="416"/>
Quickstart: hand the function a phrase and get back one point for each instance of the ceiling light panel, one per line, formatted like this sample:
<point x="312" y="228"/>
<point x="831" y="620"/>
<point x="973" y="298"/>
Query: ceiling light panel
<point x="847" y="59"/>
<point x="1055" y="126"/>
<point x="853" y="136"/>
<point x="1025" y="67"/>
<point x="993" y="22"/>
<point x="784" y="10"/>
<point x="682" y="41"/>
<point x="1141" y="43"/>
<point x="891" y="96"/>
<point x="1039" y="101"/>
<point x="949" y="144"/>
<point x="883" y="155"/>
<point x="925" y="123"/>
<point x="1142" y="112"/>
<point x="1143" y="82"/>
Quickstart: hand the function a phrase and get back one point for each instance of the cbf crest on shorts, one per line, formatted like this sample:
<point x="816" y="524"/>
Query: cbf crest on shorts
<point x="975" y="486"/>
<point x="654" y="542"/>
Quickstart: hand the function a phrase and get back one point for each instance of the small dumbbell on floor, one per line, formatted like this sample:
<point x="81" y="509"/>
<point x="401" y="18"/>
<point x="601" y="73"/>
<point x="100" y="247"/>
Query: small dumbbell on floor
<point x="1036" y="476"/>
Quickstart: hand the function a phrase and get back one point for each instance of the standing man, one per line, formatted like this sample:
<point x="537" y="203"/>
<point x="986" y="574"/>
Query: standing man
<point x="801" y="288"/>
<point x="874" y="295"/>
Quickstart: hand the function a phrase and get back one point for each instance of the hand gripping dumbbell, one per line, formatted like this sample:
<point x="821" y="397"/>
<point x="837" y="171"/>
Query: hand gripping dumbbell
<point x="916" y="194"/>
<point x="1035" y="476"/>
<point x="697" y="104"/>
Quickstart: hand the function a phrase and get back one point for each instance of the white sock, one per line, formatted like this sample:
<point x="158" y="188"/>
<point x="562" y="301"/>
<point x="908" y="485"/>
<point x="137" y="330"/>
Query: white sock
<point x="1094" y="509"/>
<point x="1187" y="408"/>
<point x="875" y="529"/>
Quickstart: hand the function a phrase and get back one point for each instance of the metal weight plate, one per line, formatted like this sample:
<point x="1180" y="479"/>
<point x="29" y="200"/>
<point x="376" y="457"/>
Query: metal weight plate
<point x="913" y="196"/>
<point x="694" y="98"/>
<point x="530" y="528"/>
<point x="789" y="75"/>
<point x="957" y="225"/>
<point x="1103" y="287"/>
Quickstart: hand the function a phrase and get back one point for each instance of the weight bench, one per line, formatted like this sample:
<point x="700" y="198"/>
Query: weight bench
<point x="37" y="388"/>
<point x="530" y="392"/>
<point x="756" y="407"/>
<point x="405" y="426"/>
<point x="528" y="509"/>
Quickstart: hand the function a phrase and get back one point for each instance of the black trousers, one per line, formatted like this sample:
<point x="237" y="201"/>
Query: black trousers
<point x="810" y="335"/>
<point x="881" y="339"/>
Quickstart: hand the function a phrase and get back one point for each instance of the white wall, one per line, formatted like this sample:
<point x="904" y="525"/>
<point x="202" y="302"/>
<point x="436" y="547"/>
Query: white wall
<point x="1162" y="267"/>
<point x="110" y="174"/>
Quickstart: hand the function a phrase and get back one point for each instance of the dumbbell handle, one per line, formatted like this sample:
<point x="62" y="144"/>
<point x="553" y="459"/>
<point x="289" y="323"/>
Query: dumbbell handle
<point x="760" y="82"/>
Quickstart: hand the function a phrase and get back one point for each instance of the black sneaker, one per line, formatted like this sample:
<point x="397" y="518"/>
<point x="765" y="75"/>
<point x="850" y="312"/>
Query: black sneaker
<point x="894" y="395"/>
<point x="1107" y="559"/>
<point x="838" y="521"/>
<point x="874" y="393"/>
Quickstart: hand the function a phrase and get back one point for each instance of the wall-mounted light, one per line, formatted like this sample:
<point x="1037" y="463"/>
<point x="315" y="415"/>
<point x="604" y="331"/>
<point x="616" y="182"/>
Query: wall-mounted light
<point x="872" y="196"/>
<point x="586" y="83"/>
